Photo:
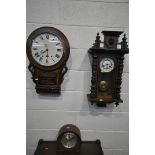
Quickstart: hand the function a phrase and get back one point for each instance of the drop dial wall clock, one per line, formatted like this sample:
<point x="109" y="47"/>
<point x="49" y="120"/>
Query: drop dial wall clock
<point x="69" y="139"/>
<point x="48" y="51"/>
<point x="107" y="68"/>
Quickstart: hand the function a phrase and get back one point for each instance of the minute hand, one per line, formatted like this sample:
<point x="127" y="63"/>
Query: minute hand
<point x="44" y="51"/>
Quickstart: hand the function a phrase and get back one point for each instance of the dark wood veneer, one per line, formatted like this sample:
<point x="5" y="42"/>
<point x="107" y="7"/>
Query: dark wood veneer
<point x="62" y="131"/>
<point x="114" y="78"/>
<point x="48" y="78"/>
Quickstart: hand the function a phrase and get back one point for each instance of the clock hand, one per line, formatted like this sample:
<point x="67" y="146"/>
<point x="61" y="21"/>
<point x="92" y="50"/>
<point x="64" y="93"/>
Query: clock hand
<point x="47" y="54"/>
<point x="44" y="51"/>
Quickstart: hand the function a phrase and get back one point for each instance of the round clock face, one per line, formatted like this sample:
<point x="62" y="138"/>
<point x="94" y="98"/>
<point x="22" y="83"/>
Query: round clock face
<point x="69" y="140"/>
<point x="47" y="49"/>
<point x="106" y="65"/>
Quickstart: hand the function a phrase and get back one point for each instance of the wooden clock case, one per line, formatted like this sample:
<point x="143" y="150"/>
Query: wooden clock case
<point x="68" y="128"/>
<point x="81" y="147"/>
<point x="48" y="78"/>
<point x="109" y="49"/>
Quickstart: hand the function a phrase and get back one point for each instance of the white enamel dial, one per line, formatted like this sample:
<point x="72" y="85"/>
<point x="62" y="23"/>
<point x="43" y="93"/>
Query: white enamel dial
<point x="47" y="49"/>
<point x="69" y="140"/>
<point x="106" y="65"/>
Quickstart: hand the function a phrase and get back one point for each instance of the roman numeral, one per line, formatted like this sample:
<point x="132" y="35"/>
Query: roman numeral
<point x="47" y="36"/>
<point x="59" y="50"/>
<point x="37" y="54"/>
<point x="35" y="41"/>
<point x="41" y="58"/>
<point x="52" y="58"/>
<point x="35" y="48"/>
<point x="46" y="60"/>
<point x="57" y="44"/>
<point x="57" y="56"/>
<point x="41" y="38"/>
<point x="53" y="38"/>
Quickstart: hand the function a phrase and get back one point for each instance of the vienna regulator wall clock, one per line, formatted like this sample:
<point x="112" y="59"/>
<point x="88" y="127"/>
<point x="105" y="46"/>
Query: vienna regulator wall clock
<point x="107" y="68"/>
<point x="48" y="51"/>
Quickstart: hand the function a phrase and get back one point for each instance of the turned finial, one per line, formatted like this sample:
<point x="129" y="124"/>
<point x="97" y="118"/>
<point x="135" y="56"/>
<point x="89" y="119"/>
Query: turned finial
<point x="124" y="42"/>
<point x="97" y="41"/>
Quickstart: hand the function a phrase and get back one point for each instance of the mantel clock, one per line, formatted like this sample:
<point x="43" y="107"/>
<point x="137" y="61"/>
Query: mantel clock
<point x="69" y="139"/>
<point x="47" y="50"/>
<point x="69" y="143"/>
<point x="107" y="68"/>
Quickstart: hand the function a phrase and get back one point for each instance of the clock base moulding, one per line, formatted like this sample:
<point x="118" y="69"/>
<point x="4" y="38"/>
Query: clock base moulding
<point x="69" y="142"/>
<point x="102" y="102"/>
<point x="87" y="148"/>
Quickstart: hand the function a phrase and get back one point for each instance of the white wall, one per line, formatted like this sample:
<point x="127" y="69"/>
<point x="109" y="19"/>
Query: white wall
<point x="79" y="20"/>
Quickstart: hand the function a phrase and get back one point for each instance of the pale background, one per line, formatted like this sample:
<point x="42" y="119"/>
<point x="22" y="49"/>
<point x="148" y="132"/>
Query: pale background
<point x="79" y="20"/>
